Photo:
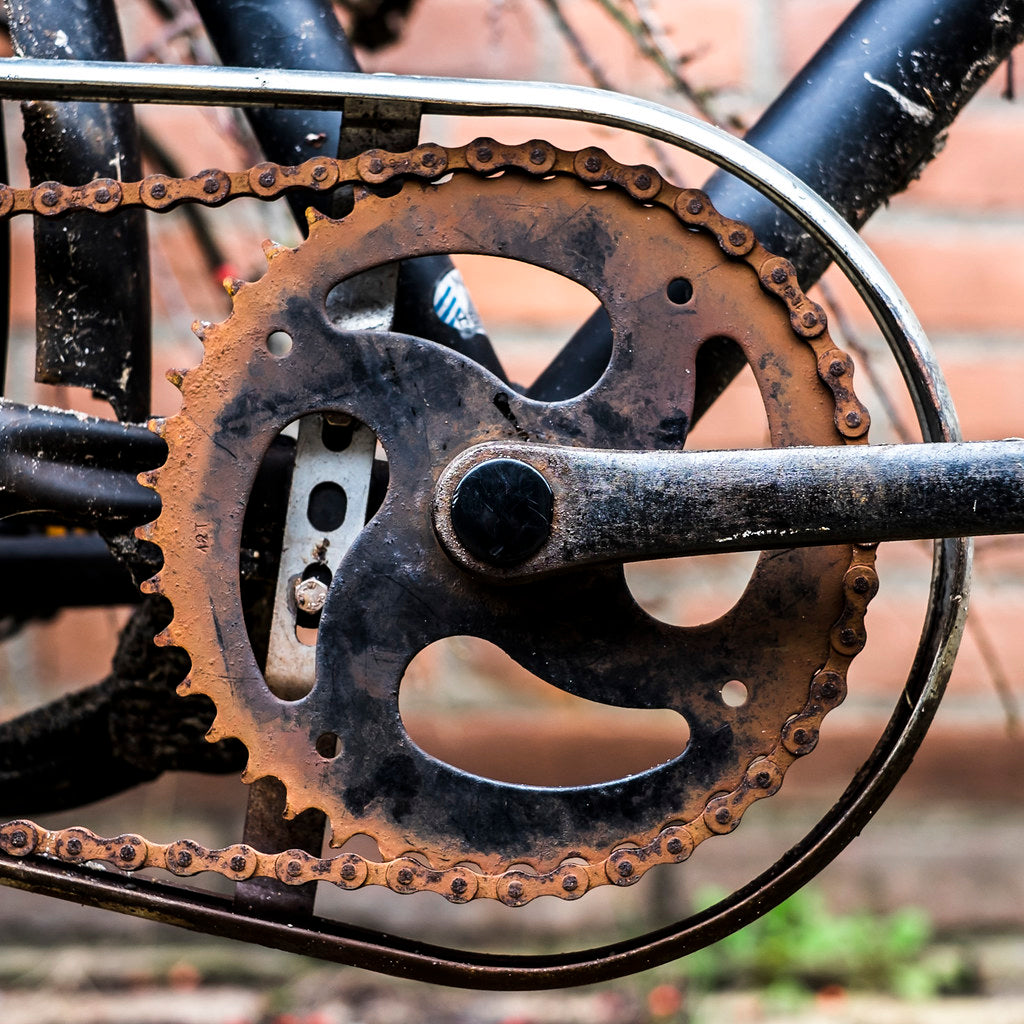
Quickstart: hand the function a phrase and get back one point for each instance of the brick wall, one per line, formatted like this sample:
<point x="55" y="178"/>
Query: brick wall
<point x="953" y="243"/>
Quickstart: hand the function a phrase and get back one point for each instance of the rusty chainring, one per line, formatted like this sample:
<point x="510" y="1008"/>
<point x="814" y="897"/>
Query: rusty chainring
<point x="626" y="234"/>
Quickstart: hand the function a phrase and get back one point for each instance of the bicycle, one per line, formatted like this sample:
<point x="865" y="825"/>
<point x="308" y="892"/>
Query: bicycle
<point x="479" y="559"/>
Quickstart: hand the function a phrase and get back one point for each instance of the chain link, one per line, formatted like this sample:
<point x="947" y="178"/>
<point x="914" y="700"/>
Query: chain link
<point x="672" y="843"/>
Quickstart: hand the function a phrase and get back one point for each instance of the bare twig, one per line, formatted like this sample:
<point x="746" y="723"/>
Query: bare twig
<point x="576" y="44"/>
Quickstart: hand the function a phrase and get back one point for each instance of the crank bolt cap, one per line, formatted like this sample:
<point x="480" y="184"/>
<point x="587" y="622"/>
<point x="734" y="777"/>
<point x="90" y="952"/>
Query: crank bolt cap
<point x="502" y="511"/>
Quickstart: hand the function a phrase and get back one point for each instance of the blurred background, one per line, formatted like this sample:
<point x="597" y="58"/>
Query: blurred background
<point x="922" y="918"/>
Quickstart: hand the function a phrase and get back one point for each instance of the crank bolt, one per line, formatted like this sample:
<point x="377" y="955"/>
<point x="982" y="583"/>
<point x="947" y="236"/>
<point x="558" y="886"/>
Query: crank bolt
<point x="502" y="511"/>
<point x="310" y="595"/>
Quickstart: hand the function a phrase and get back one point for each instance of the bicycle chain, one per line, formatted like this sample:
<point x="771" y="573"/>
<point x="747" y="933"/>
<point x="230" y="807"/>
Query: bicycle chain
<point x="672" y="843"/>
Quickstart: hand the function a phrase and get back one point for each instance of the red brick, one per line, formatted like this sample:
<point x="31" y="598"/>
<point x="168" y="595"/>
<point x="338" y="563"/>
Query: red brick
<point x="803" y="26"/>
<point x="976" y="168"/>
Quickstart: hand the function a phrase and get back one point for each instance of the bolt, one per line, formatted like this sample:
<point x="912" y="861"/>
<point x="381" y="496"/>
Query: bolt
<point x="570" y="883"/>
<point x="459" y="886"/>
<point x="237" y="864"/>
<point x="861" y="585"/>
<point x="103" y="195"/>
<point x="853" y="419"/>
<point x="210" y="186"/>
<point x="847" y="637"/>
<point x="484" y="154"/>
<point x="50" y="197"/>
<point x="763" y="780"/>
<point x="738" y="238"/>
<point x="405" y="876"/>
<point x="537" y="155"/>
<point x="74" y="847"/>
<point x="592" y="163"/>
<point x="294" y="869"/>
<point x="268" y="177"/>
<point x="319" y="172"/>
<point x="836" y="368"/>
<point x="723" y="816"/>
<point x="184" y="859"/>
<point x="376" y="165"/>
<point x="780" y="275"/>
<point x="19" y="839"/>
<point x="310" y="595"/>
<point x="674" y="846"/>
<point x="624" y="868"/>
<point x="127" y="852"/>
<point x="502" y="511"/>
<point x="159" y="190"/>
<point x="643" y="182"/>
<point x="515" y="890"/>
<point x="348" y="872"/>
<point x="428" y="159"/>
<point x="695" y="207"/>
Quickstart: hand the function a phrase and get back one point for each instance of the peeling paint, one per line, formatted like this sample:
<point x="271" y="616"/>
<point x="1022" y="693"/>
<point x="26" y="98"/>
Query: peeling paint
<point x="917" y="111"/>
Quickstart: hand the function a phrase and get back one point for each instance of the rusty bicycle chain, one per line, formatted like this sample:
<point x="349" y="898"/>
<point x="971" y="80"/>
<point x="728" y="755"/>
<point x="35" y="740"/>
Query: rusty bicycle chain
<point x="671" y="843"/>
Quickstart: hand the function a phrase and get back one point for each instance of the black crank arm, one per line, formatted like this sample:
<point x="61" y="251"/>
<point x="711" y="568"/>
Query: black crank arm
<point x="517" y="511"/>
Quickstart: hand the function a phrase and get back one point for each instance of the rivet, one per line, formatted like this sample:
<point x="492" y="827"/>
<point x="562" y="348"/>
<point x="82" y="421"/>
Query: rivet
<point x="348" y="872"/>
<point x="184" y="859"/>
<point x="210" y="186"/>
<point x="459" y="886"/>
<point x="738" y="238"/>
<point x="237" y="864"/>
<point x="484" y="154"/>
<point x="268" y="177"/>
<point x="624" y="868"/>
<point x="376" y="165"/>
<point x="537" y="155"/>
<point x="405" y="876"/>
<point x="763" y="780"/>
<point x="695" y="207"/>
<point x="19" y="839"/>
<point x="319" y="172"/>
<point x="642" y="182"/>
<point x="800" y="736"/>
<point x="294" y="868"/>
<point x="723" y="815"/>
<point x="49" y="197"/>
<point x="853" y="419"/>
<point x="428" y="159"/>
<point x="592" y="163"/>
<point x="159" y="190"/>
<point x="780" y="275"/>
<point x="73" y="847"/>
<point x="847" y="637"/>
<point x="674" y="846"/>
<point x="836" y="368"/>
<point x="570" y="883"/>
<point x="861" y="585"/>
<point x="103" y="195"/>
<point x="127" y="852"/>
<point x="515" y="890"/>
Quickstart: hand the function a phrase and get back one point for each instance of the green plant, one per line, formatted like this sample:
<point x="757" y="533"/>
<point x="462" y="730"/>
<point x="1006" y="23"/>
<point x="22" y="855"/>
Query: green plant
<point x="802" y="946"/>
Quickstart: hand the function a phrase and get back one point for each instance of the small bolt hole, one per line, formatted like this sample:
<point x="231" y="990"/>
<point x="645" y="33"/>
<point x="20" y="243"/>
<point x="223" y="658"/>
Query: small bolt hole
<point x="679" y="291"/>
<point x="328" y="746"/>
<point x="327" y="506"/>
<point x="279" y="343"/>
<point x="734" y="694"/>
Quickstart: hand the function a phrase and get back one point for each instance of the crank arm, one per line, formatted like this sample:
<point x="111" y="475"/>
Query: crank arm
<point x="516" y="511"/>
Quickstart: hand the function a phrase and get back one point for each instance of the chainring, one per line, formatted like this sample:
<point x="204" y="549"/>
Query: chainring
<point x="627" y="236"/>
